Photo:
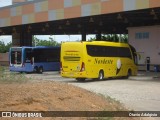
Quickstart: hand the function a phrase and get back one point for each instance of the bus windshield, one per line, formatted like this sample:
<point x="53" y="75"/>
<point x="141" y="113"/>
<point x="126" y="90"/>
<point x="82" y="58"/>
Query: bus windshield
<point x="16" y="56"/>
<point x="134" y="54"/>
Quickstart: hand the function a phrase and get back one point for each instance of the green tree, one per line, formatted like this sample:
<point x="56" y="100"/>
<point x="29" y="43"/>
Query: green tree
<point x="4" y="48"/>
<point x="125" y="38"/>
<point x="113" y="38"/>
<point x="8" y="46"/>
<point x="38" y="42"/>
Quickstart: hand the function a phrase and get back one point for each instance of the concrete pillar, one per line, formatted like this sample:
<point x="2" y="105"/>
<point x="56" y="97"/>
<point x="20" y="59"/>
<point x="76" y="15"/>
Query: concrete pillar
<point x="25" y="39"/>
<point x="16" y="39"/>
<point x="83" y="36"/>
<point x="22" y="39"/>
<point x="120" y="38"/>
<point x="98" y="36"/>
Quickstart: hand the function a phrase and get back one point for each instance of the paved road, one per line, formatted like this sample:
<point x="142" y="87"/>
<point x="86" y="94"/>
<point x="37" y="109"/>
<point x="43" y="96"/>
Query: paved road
<point x="140" y="94"/>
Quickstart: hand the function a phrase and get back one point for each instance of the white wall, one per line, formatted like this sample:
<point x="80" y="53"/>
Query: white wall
<point x="148" y="47"/>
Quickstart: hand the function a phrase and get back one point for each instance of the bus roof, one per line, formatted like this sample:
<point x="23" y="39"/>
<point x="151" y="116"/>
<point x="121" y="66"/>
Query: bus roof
<point x="46" y="47"/>
<point x="37" y="47"/>
<point x="22" y="47"/>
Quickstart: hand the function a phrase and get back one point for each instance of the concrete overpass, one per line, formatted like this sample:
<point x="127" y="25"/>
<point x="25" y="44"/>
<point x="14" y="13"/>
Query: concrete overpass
<point x="43" y="17"/>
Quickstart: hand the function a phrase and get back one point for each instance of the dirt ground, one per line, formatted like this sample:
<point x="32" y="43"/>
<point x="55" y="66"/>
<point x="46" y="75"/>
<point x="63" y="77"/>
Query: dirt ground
<point x="53" y="96"/>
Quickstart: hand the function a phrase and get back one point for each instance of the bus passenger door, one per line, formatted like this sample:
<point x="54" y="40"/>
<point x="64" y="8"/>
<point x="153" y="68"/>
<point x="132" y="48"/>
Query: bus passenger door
<point x="28" y="59"/>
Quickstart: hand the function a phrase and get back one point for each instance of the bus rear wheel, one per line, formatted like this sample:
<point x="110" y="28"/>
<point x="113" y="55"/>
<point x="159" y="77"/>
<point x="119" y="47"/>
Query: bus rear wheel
<point x="101" y="75"/>
<point x="36" y="69"/>
<point x="80" y="79"/>
<point x="40" y="70"/>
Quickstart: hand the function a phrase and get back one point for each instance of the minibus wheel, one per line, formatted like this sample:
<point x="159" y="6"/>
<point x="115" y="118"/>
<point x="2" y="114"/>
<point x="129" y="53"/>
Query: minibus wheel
<point x="36" y="69"/>
<point x="129" y="73"/>
<point x="101" y="75"/>
<point x="80" y="79"/>
<point x="40" y="70"/>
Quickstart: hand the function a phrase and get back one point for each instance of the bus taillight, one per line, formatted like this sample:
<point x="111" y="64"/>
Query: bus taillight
<point x="82" y="67"/>
<point x="31" y="62"/>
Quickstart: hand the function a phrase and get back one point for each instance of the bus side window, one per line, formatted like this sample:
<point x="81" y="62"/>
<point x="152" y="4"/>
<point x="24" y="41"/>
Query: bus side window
<point x="28" y="57"/>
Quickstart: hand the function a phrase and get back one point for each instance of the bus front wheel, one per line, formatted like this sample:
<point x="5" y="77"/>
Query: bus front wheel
<point x="40" y="70"/>
<point x="129" y="73"/>
<point x="101" y="75"/>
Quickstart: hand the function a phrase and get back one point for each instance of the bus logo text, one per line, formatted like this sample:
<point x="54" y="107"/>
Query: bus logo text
<point x="103" y="61"/>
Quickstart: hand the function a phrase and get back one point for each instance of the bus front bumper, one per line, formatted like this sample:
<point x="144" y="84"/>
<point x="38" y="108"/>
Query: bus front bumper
<point x="20" y="69"/>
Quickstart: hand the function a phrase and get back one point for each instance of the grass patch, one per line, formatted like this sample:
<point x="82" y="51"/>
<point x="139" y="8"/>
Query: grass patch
<point x="11" y="77"/>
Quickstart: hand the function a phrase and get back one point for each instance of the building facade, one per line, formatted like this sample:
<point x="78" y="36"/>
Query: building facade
<point x="146" y="40"/>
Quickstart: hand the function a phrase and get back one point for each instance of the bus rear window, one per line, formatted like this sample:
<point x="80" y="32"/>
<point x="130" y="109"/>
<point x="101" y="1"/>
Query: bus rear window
<point x="16" y="57"/>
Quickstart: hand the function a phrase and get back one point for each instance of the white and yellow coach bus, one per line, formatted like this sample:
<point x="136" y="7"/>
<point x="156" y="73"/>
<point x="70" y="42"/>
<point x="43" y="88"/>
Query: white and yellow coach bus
<point x="97" y="59"/>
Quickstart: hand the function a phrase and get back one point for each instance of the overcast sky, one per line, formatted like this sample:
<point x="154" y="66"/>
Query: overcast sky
<point x="5" y="3"/>
<point x="58" y="38"/>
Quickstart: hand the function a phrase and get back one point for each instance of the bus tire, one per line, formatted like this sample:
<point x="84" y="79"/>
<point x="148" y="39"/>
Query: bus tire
<point x="40" y="70"/>
<point x="101" y="75"/>
<point x="80" y="79"/>
<point x="129" y="73"/>
<point x="36" y="69"/>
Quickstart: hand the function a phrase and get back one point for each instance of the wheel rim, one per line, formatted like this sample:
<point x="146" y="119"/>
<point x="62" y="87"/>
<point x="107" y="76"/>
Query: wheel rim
<point x="35" y="69"/>
<point x="129" y="73"/>
<point x="100" y="75"/>
<point x="41" y="70"/>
